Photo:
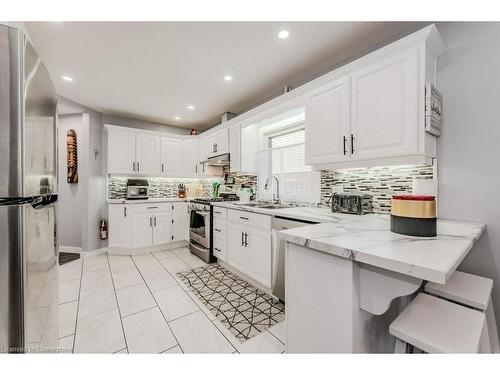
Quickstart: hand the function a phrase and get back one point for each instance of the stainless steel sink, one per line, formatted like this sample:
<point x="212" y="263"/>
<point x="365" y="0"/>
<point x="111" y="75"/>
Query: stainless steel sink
<point x="252" y="204"/>
<point x="274" y="206"/>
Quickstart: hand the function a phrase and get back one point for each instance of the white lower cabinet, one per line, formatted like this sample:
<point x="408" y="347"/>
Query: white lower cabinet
<point x="142" y="229"/>
<point x="162" y="227"/>
<point x="119" y="225"/>
<point x="144" y="225"/>
<point x="258" y="255"/>
<point x="180" y="221"/>
<point x="249" y="247"/>
<point x="236" y="248"/>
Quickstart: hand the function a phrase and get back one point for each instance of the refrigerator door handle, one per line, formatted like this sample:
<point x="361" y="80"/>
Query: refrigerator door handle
<point x="44" y="201"/>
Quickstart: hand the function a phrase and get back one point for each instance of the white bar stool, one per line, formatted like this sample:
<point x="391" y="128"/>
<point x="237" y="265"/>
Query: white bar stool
<point x="475" y="292"/>
<point x="437" y="326"/>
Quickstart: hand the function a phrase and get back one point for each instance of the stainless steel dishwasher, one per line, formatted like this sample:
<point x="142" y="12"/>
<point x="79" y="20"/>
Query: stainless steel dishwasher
<point x="279" y="224"/>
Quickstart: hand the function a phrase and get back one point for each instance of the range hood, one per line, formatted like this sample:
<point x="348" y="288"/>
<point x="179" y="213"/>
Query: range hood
<point x="218" y="161"/>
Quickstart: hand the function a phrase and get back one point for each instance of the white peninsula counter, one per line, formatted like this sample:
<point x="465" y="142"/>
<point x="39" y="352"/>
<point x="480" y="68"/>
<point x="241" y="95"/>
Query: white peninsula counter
<point x="343" y="279"/>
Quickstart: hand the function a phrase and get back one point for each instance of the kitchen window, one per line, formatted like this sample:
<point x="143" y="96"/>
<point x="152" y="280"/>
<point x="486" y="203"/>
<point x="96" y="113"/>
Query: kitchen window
<point x="284" y="158"/>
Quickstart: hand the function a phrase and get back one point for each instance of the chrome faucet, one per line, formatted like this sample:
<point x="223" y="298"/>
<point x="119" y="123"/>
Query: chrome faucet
<point x="276" y="197"/>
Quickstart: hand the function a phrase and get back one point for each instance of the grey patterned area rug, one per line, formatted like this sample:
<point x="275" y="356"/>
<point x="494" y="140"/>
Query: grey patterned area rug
<point x="241" y="307"/>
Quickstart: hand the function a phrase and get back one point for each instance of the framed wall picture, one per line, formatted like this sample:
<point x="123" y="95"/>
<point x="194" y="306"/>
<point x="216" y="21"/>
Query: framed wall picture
<point x="71" y="157"/>
<point x="433" y="110"/>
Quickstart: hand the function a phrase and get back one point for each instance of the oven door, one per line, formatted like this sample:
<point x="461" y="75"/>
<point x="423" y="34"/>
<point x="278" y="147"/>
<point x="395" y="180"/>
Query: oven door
<point x="199" y="227"/>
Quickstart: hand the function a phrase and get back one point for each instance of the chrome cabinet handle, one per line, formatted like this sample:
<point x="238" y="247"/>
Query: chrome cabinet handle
<point x="345" y="140"/>
<point x="152" y="207"/>
<point x="124" y="211"/>
<point x="133" y="166"/>
<point x="138" y="167"/>
<point x="217" y="230"/>
<point x="352" y="144"/>
<point x="217" y="212"/>
<point x="242" y="237"/>
<point x="150" y="221"/>
<point x="246" y="239"/>
<point x="162" y="168"/>
<point x="216" y="249"/>
<point x="155" y="221"/>
<point x="243" y="217"/>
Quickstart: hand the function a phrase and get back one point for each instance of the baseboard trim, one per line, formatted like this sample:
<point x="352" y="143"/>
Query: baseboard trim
<point x="70" y="249"/>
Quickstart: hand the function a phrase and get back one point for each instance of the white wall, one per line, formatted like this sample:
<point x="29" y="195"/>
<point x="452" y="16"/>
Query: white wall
<point x="145" y="125"/>
<point x="72" y="197"/>
<point x="468" y="150"/>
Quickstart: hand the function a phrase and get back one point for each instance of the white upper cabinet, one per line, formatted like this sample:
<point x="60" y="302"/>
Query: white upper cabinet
<point x="372" y="111"/>
<point x="121" y="151"/>
<point x="249" y="148"/>
<point x="218" y="143"/>
<point x="327" y="124"/>
<point x="384" y="108"/>
<point x="235" y="147"/>
<point x="171" y="151"/>
<point x="190" y="161"/>
<point x="147" y="154"/>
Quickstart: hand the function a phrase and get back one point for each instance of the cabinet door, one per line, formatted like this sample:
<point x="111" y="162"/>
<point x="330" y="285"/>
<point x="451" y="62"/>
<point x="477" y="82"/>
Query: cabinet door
<point x="235" y="249"/>
<point x="148" y="154"/>
<point x="121" y="151"/>
<point x="119" y="225"/>
<point x="221" y="142"/>
<point x="180" y="221"/>
<point x="171" y="150"/>
<point x="258" y="255"/>
<point x="203" y="148"/>
<point x="190" y="157"/>
<point x="327" y="124"/>
<point x="162" y="227"/>
<point x="234" y="147"/>
<point x="384" y="108"/>
<point x="249" y="148"/>
<point x="142" y="229"/>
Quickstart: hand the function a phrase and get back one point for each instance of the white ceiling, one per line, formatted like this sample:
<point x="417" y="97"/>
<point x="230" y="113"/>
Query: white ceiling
<point x="153" y="70"/>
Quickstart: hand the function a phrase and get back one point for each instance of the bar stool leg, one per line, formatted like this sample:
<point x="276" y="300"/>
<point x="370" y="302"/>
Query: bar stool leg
<point x="492" y="327"/>
<point x="400" y="346"/>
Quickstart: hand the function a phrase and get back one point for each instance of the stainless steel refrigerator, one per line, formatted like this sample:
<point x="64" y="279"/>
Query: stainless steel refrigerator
<point x="29" y="294"/>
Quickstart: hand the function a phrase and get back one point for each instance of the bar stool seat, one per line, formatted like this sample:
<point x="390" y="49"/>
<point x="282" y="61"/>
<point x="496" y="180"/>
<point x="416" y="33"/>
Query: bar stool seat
<point x="473" y="291"/>
<point x="438" y="326"/>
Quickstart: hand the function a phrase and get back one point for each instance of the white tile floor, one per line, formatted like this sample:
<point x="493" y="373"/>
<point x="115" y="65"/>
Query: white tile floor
<point x="123" y="304"/>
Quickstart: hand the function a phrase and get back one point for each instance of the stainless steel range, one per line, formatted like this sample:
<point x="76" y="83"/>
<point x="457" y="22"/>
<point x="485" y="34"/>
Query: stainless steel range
<point x="201" y="220"/>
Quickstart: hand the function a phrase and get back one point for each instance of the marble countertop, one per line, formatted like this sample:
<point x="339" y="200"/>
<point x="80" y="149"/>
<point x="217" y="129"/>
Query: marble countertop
<point x="146" y="201"/>
<point x="368" y="239"/>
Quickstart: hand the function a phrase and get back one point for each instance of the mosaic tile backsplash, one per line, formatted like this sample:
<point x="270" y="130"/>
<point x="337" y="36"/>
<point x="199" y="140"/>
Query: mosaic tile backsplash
<point x="380" y="182"/>
<point x="158" y="187"/>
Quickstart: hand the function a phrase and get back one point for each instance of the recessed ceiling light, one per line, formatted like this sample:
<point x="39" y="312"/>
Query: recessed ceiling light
<point x="66" y="78"/>
<point x="228" y="78"/>
<point x="283" y="34"/>
<point x="190" y="107"/>
<point x="177" y="118"/>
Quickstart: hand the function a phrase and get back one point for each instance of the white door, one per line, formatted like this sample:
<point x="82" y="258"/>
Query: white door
<point x="190" y="157"/>
<point x="171" y="153"/>
<point x="327" y="124"/>
<point x="162" y="227"/>
<point x="142" y="229"/>
<point x="148" y="154"/>
<point x="119" y="225"/>
<point x="180" y="221"/>
<point x="234" y="147"/>
<point x="235" y="249"/>
<point x="384" y="108"/>
<point x="121" y="151"/>
<point x="258" y="255"/>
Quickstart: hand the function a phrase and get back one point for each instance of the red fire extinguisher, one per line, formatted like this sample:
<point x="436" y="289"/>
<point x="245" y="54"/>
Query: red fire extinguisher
<point x="104" y="229"/>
